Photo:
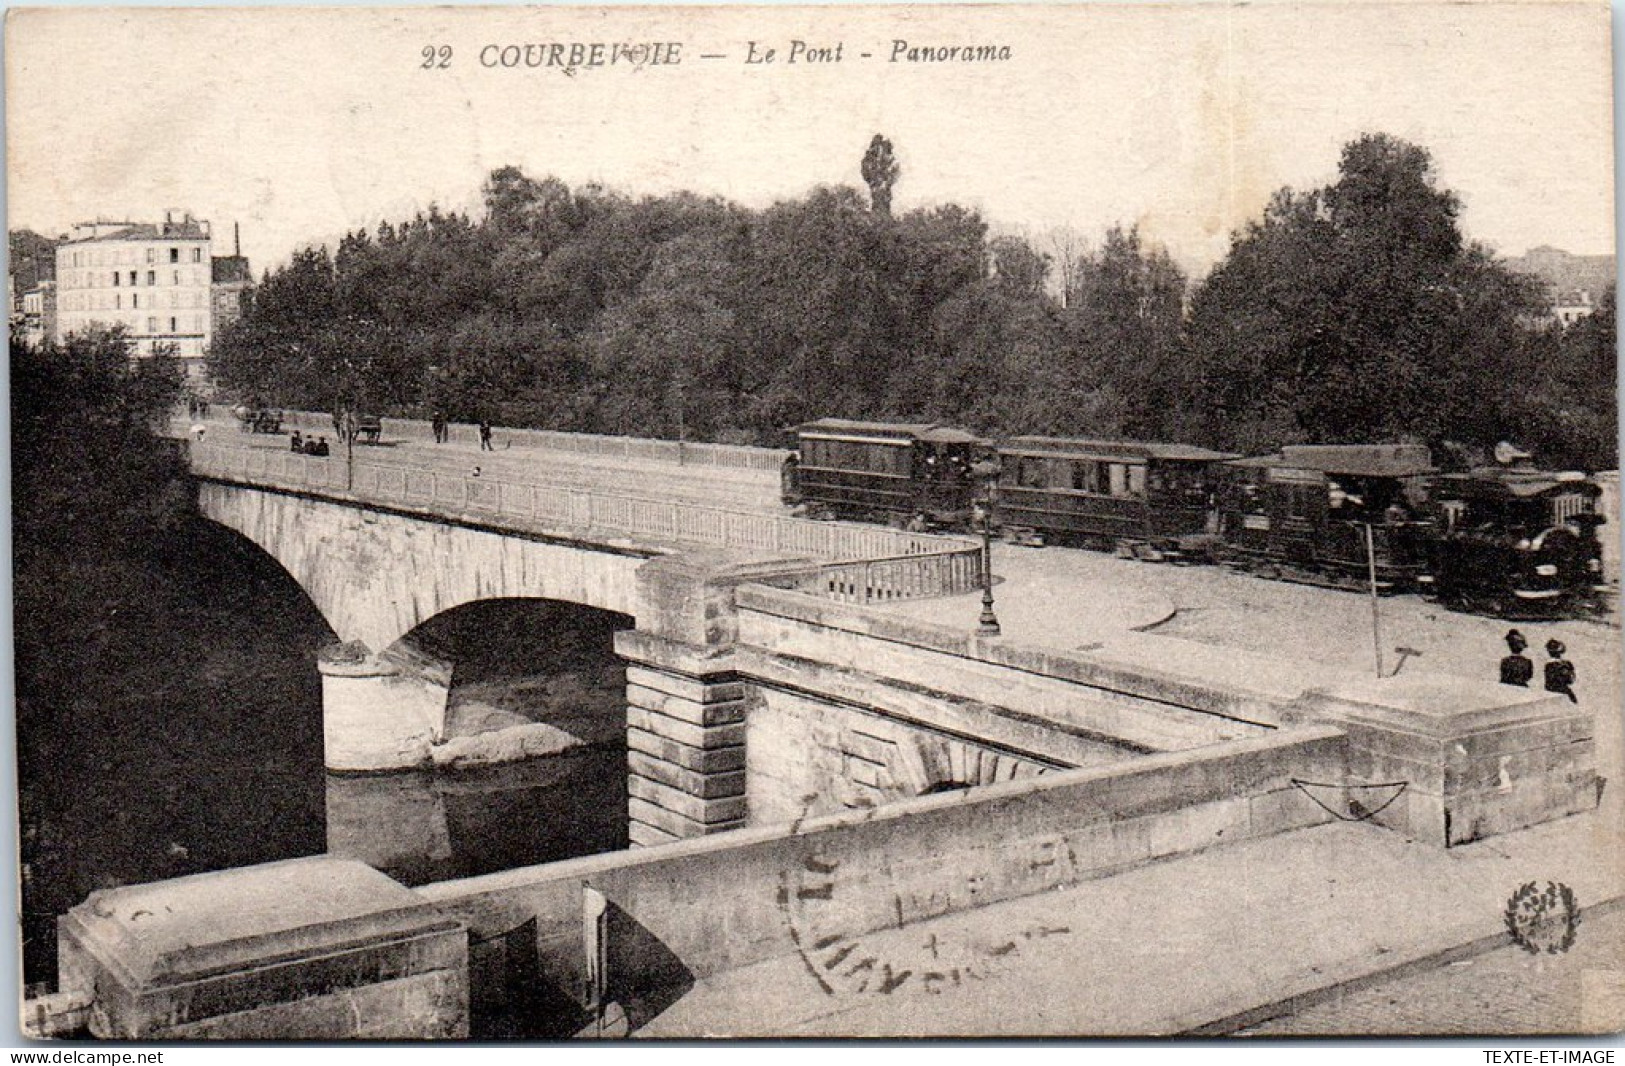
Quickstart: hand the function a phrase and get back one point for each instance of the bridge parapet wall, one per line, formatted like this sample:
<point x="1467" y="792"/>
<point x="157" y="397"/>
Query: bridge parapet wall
<point x="699" y="907"/>
<point x="1477" y="759"/>
<point x="655" y="525"/>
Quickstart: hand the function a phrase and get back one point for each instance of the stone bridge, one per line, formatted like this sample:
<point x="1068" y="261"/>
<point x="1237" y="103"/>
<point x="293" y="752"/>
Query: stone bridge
<point x="772" y="710"/>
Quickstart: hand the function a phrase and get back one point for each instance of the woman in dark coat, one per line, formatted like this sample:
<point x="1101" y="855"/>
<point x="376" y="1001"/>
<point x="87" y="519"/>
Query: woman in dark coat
<point x="1559" y="671"/>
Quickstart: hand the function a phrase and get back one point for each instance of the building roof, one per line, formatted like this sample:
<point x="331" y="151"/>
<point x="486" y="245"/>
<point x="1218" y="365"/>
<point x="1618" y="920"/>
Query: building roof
<point x="1498" y="482"/>
<point x="1125" y="448"/>
<point x="185" y="230"/>
<point x="1354" y="460"/>
<point x="926" y="431"/>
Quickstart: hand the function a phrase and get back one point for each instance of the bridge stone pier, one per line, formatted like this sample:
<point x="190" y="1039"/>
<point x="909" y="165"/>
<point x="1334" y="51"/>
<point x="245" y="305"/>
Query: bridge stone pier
<point x="800" y="764"/>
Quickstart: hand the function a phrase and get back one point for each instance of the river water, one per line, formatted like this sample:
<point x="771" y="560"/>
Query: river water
<point x="199" y="746"/>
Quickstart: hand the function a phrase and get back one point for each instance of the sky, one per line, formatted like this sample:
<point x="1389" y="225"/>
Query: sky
<point x="300" y="124"/>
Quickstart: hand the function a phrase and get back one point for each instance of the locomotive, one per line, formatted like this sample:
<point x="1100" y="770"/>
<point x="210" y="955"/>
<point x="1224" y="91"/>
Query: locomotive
<point x="1516" y="541"/>
<point x="1506" y="540"/>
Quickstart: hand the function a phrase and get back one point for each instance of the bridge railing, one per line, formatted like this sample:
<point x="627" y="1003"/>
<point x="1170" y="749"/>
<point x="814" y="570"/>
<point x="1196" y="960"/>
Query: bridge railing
<point x="906" y="577"/>
<point x="873" y="563"/>
<point x="645" y="449"/>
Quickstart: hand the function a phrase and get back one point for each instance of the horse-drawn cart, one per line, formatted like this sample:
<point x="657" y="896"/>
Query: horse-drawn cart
<point x="258" y="419"/>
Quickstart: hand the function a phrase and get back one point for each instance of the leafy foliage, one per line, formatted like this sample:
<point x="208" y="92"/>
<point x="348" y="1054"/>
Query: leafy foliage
<point x="32" y="258"/>
<point x="95" y="496"/>
<point x="1358" y="312"/>
<point x="880" y="172"/>
<point x="1352" y="312"/>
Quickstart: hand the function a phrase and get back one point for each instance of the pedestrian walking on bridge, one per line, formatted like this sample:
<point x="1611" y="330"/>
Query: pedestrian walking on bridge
<point x="485" y="436"/>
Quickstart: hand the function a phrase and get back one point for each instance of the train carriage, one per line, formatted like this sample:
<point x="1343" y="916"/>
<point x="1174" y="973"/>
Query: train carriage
<point x="1152" y="501"/>
<point x="1515" y="541"/>
<point x="1329" y="514"/>
<point x="889" y="471"/>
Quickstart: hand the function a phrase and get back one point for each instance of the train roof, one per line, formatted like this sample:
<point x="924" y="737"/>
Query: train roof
<point x="1132" y="449"/>
<point x="934" y="432"/>
<point x="1353" y="460"/>
<point x="1500" y="483"/>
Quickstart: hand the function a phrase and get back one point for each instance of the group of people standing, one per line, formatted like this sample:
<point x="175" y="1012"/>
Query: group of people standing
<point x="1517" y="669"/>
<point x="309" y="445"/>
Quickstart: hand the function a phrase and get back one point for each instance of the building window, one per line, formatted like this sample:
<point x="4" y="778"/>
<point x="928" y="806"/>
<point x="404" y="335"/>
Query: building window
<point x="152" y="325"/>
<point x="152" y="277"/>
<point x="115" y="279"/>
<point x="197" y="255"/>
<point x="118" y="302"/>
<point x="172" y="327"/>
<point x="152" y="255"/>
<point x="132" y="277"/>
<point x="135" y="299"/>
<point x="177" y="277"/>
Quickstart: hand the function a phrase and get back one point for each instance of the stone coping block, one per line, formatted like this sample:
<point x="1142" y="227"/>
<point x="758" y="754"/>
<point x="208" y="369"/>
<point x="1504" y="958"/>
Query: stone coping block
<point x="169" y="954"/>
<point x="676" y="658"/>
<point x="1437" y="705"/>
<point x="1477" y="758"/>
<point x="690" y="597"/>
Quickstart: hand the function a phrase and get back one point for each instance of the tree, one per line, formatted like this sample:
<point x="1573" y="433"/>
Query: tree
<point x="1357" y="312"/>
<point x="1066" y="247"/>
<point x="673" y="345"/>
<point x="94" y="495"/>
<point x="1125" y="315"/>
<point x="880" y="172"/>
<point x="287" y="347"/>
<point x="33" y="258"/>
<point x="1020" y="269"/>
<point x="1566" y="405"/>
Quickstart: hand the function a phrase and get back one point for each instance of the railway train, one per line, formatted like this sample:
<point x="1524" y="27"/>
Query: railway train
<point x="1508" y="540"/>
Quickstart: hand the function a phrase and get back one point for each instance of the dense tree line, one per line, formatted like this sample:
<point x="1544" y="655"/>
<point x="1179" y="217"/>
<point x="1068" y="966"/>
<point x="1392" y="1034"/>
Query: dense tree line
<point x="1352" y="312"/>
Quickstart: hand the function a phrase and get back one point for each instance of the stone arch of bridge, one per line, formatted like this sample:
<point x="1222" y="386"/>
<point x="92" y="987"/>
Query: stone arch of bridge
<point x="377" y="576"/>
<point x="517" y="661"/>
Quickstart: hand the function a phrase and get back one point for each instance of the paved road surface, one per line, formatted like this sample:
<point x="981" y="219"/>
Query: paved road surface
<point x="1177" y="945"/>
<point x="729" y="488"/>
<point x="1506" y="991"/>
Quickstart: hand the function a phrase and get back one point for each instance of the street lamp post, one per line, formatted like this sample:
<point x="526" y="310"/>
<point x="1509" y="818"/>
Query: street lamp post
<point x="987" y="473"/>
